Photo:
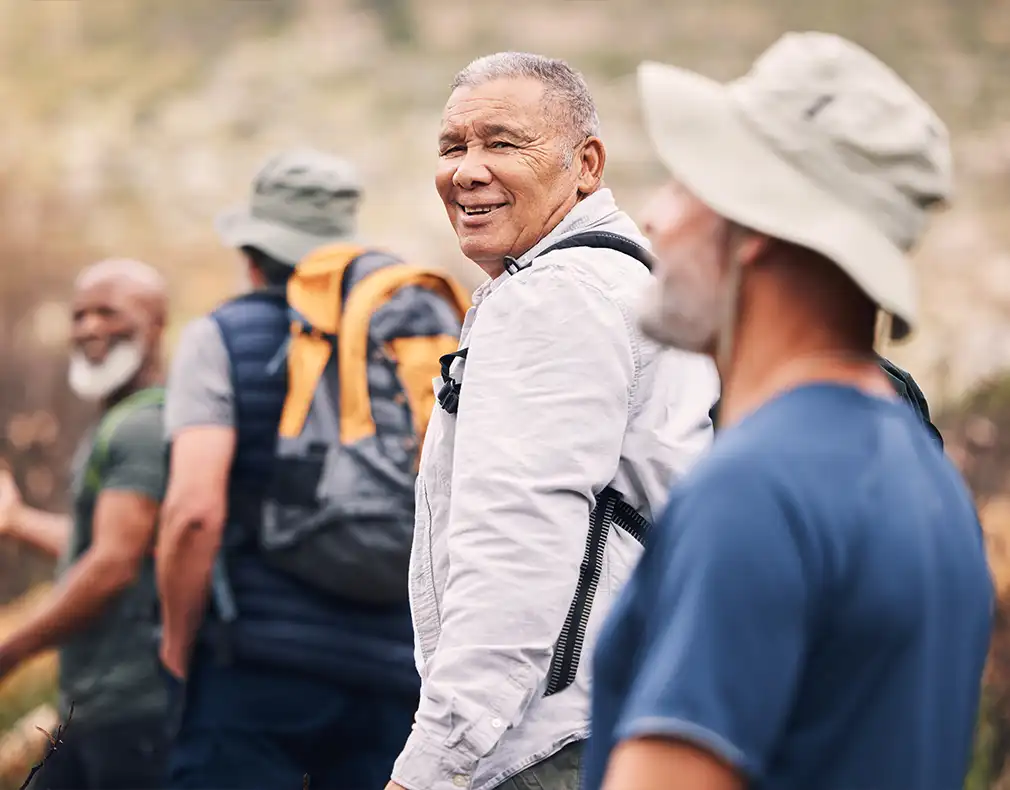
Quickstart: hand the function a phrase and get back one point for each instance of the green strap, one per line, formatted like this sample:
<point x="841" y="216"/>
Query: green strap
<point x="152" y="396"/>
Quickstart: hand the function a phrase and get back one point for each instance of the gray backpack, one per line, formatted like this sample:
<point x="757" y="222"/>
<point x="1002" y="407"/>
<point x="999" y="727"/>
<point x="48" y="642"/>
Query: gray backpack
<point x="339" y="512"/>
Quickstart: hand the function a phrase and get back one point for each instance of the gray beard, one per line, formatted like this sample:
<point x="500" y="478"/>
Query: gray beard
<point x="94" y="382"/>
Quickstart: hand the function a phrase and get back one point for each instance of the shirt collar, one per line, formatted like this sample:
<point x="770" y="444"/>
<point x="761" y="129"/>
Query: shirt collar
<point x="592" y="210"/>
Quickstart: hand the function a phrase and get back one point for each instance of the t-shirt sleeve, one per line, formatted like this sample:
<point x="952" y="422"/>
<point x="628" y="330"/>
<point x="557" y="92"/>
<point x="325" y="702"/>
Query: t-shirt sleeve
<point x="199" y="389"/>
<point x="727" y="623"/>
<point x="137" y="459"/>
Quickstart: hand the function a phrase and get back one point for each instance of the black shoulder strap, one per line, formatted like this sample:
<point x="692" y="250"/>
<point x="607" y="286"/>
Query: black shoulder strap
<point x="597" y="239"/>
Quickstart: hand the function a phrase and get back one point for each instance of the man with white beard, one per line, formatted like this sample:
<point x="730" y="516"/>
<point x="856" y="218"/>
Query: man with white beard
<point x="102" y="612"/>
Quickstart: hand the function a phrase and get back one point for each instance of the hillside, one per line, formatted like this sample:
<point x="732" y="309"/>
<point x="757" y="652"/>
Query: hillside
<point x="152" y="116"/>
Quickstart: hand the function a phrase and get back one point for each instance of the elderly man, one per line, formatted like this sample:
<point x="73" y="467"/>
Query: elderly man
<point x="283" y="677"/>
<point x="815" y="609"/>
<point x="102" y="614"/>
<point x="559" y="432"/>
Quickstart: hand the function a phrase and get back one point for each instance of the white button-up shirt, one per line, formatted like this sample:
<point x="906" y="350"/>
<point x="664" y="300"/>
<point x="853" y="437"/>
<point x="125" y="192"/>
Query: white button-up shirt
<point x="561" y="397"/>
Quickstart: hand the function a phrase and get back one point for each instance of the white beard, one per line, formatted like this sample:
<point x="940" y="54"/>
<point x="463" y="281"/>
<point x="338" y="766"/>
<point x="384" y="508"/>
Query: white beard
<point x="94" y="382"/>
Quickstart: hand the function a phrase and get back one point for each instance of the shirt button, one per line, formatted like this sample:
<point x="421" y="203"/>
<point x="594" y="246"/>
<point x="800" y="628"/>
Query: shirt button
<point x="459" y="780"/>
<point x="496" y="723"/>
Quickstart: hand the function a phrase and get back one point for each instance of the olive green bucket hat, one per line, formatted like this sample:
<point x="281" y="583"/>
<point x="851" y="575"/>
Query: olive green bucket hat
<point x="819" y="144"/>
<point x="301" y="200"/>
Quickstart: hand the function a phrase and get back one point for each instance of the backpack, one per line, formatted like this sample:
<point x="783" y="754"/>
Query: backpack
<point x="611" y="509"/>
<point x="903" y="384"/>
<point x="339" y="511"/>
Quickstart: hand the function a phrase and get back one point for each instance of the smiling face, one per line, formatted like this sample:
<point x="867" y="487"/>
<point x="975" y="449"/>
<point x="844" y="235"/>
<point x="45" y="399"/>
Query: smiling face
<point x="116" y="330"/>
<point x="508" y="169"/>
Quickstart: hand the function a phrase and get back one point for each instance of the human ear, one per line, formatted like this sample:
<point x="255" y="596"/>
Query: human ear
<point x="591" y="160"/>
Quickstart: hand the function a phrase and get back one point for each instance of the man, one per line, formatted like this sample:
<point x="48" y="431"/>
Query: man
<point x="815" y="609"/>
<point x="293" y="681"/>
<point x="102" y="613"/>
<point x="563" y="409"/>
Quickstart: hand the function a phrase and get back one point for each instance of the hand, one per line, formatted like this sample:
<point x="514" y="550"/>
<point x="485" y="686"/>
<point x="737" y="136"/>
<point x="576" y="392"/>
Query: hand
<point x="394" y="786"/>
<point x="173" y="663"/>
<point x="10" y="502"/>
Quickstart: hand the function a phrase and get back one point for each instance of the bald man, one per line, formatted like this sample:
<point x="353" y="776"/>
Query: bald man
<point x="102" y="613"/>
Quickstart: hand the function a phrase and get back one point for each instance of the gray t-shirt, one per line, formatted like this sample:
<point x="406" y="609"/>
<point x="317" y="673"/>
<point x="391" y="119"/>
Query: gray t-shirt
<point x="110" y="669"/>
<point x="199" y="388"/>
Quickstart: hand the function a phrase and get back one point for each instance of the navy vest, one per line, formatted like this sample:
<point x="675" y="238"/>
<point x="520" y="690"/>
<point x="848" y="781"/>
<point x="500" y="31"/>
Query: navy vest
<point x="280" y="621"/>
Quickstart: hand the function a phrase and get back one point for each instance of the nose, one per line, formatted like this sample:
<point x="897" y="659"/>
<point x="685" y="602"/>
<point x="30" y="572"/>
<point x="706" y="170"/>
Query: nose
<point x="89" y="327"/>
<point x="471" y="171"/>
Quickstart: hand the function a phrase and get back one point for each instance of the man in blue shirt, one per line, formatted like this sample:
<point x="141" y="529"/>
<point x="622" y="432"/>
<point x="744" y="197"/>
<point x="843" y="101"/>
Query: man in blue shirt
<point x="813" y="609"/>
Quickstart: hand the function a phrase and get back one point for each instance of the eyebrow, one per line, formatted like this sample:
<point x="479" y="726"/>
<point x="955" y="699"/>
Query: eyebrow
<point x="453" y="135"/>
<point x="503" y="130"/>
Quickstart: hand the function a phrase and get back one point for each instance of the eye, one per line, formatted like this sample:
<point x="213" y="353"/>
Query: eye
<point x="501" y="144"/>
<point x="452" y="149"/>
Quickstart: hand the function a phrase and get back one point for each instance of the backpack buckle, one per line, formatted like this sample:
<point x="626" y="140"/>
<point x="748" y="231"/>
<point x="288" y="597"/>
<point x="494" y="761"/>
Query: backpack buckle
<point x="448" y="396"/>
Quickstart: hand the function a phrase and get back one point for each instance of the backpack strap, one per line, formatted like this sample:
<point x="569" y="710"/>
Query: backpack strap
<point x="365" y="298"/>
<point x="611" y="509"/>
<point x="596" y="239"/>
<point x="151" y="396"/>
<point x="315" y="289"/>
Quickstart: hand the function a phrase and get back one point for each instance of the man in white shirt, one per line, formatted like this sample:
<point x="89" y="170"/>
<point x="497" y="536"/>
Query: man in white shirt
<point x="558" y="433"/>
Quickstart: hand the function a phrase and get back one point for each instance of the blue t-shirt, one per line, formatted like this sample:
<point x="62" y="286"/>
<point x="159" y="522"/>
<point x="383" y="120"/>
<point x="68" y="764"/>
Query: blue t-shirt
<point x="814" y="606"/>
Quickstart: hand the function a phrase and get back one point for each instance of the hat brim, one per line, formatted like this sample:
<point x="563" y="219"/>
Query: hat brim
<point x="237" y="227"/>
<point x="708" y="147"/>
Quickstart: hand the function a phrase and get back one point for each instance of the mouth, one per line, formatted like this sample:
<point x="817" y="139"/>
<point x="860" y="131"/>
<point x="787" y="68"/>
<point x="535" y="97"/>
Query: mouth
<point x="480" y="211"/>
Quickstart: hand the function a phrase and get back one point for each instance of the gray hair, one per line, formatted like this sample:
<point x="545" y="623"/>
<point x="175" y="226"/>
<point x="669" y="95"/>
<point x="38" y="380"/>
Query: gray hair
<point x="563" y="85"/>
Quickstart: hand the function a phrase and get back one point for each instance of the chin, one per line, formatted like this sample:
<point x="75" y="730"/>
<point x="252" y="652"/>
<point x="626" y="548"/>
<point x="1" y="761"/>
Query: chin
<point x="479" y="252"/>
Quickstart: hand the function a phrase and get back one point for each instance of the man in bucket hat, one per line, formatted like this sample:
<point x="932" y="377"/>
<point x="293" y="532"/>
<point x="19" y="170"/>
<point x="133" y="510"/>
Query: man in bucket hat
<point x="814" y="609"/>
<point x="282" y="678"/>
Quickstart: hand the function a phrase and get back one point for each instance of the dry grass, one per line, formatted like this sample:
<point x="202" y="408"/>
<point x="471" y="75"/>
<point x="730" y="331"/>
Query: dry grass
<point x="26" y="700"/>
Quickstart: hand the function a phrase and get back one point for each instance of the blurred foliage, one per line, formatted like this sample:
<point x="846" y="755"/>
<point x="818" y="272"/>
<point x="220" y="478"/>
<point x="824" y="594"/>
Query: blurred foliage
<point x="40" y="420"/>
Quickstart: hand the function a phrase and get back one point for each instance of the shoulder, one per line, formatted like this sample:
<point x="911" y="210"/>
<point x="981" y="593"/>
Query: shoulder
<point x="142" y="428"/>
<point x="199" y="333"/>
<point x="554" y="293"/>
<point x="737" y="492"/>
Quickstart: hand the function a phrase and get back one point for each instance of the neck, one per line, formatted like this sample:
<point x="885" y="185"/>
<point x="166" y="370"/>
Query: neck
<point x="784" y="355"/>
<point x="151" y="375"/>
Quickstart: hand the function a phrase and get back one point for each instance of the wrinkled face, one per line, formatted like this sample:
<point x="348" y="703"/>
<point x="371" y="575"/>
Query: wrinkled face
<point x="112" y="338"/>
<point x="506" y="174"/>
<point x="689" y="304"/>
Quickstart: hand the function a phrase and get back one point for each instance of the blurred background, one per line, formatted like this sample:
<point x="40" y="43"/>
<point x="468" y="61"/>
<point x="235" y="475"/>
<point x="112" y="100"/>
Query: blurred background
<point x="127" y="124"/>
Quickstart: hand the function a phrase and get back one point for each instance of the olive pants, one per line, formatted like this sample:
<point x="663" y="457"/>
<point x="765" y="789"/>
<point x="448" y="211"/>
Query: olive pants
<point x="560" y="771"/>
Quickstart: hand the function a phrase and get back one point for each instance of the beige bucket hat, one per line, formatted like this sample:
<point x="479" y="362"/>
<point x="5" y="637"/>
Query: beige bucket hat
<point x="819" y="144"/>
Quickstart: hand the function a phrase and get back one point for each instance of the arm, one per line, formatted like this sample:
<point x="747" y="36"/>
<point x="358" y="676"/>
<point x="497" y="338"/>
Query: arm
<point x="47" y="532"/>
<point x="122" y="535"/>
<point x="723" y="641"/>
<point x="199" y="420"/>
<point x="539" y="431"/>
<point x="192" y="525"/>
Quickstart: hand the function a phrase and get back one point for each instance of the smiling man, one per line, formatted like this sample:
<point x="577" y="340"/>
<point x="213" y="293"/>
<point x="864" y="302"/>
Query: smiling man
<point x="558" y="432"/>
<point x="102" y="613"/>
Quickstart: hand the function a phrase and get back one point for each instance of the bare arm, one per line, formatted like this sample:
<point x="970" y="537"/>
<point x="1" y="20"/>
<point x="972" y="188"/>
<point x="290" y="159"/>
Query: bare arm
<point x="192" y="525"/>
<point x="47" y="532"/>
<point x="122" y="535"/>
<point x="662" y="764"/>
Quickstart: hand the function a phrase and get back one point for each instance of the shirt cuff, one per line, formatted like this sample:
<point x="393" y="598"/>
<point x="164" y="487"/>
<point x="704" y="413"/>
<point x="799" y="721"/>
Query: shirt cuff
<point x="426" y="765"/>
